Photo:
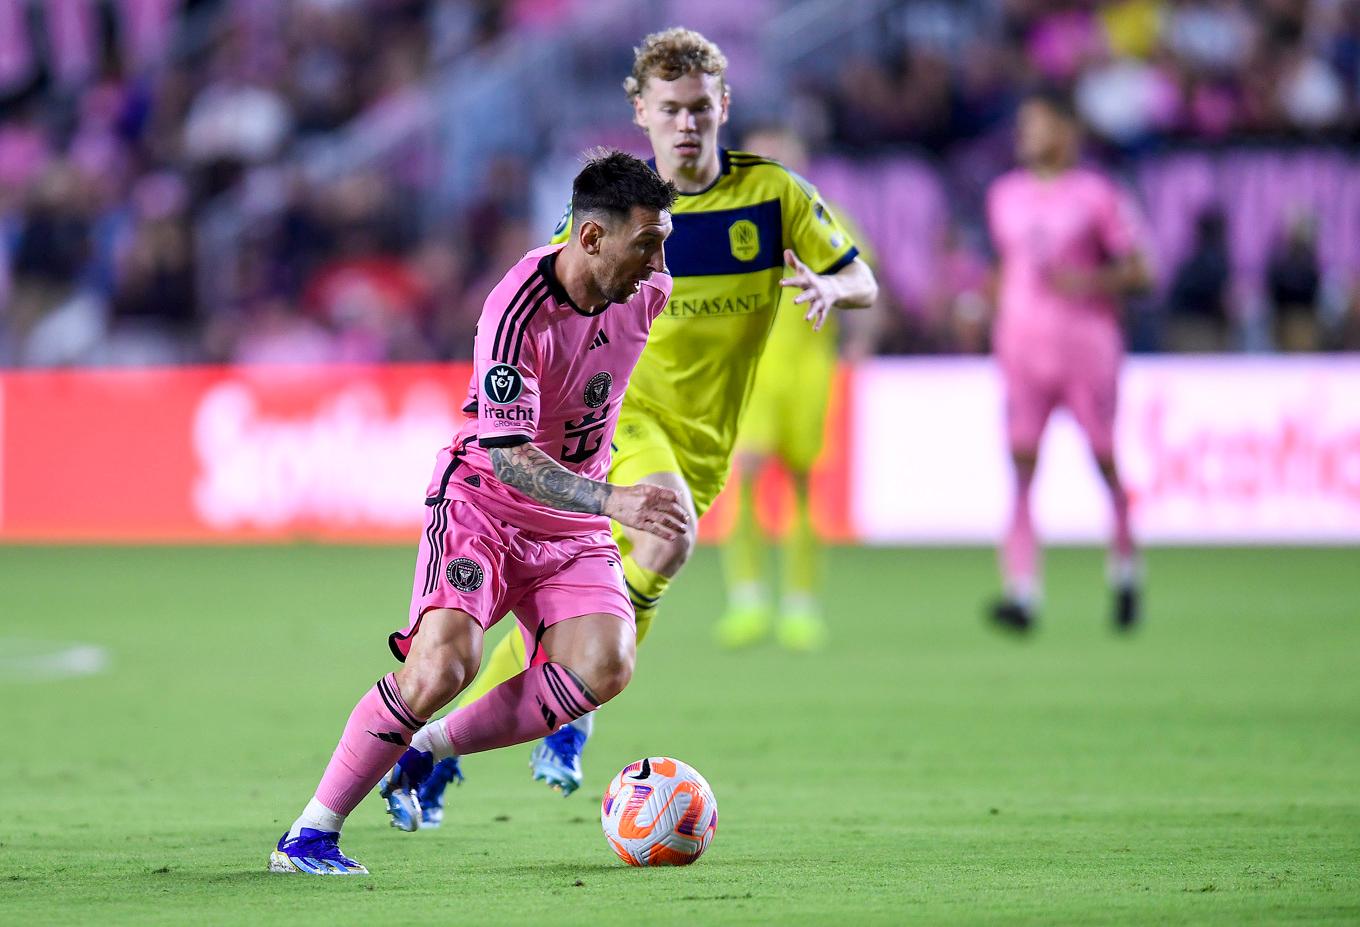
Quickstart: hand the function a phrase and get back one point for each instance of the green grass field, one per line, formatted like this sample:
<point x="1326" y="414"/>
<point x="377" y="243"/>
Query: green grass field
<point x="923" y="769"/>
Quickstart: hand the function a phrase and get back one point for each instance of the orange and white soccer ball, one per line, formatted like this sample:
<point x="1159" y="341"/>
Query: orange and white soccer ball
<point x="659" y="812"/>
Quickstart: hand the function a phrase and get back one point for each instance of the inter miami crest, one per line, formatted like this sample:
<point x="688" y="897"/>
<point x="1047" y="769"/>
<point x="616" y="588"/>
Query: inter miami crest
<point x="465" y="574"/>
<point x="597" y="389"/>
<point x="503" y="384"/>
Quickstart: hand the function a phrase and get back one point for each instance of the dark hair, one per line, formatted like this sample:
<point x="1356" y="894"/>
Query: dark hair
<point x="1058" y="101"/>
<point x="613" y="182"/>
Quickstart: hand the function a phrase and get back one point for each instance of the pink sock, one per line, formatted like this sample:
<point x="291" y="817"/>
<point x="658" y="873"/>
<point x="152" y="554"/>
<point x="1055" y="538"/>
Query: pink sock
<point x="1020" y="550"/>
<point x="531" y="705"/>
<point x="378" y="730"/>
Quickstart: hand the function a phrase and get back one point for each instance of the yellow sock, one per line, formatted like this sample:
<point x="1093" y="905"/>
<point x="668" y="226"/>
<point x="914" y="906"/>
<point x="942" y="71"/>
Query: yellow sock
<point x="506" y="662"/>
<point x="645" y="588"/>
<point x="744" y="552"/>
<point x="802" y="553"/>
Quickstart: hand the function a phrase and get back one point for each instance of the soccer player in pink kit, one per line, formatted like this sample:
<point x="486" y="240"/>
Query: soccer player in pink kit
<point x="517" y="514"/>
<point x="1070" y="249"/>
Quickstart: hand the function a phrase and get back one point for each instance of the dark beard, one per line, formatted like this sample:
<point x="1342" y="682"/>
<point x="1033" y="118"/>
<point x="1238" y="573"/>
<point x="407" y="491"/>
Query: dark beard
<point x="620" y="294"/>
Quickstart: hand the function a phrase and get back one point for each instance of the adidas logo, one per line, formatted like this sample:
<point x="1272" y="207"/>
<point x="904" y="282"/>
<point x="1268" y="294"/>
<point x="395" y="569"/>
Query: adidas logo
<point x="600" y="339"/>
<point x="391" y="737"/>
<point x="473" y="480"/>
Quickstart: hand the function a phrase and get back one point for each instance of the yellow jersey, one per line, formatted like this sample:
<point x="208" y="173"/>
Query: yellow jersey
<point x="726" y="255"/>
<point x="786" y="413"/>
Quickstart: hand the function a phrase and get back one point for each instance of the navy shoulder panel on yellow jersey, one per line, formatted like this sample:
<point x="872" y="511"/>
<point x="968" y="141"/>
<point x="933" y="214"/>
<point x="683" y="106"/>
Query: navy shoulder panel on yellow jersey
<point x="726" y="241"/>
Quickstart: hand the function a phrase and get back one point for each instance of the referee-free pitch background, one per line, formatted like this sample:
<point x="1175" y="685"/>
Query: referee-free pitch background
<point x="922" y="769"/>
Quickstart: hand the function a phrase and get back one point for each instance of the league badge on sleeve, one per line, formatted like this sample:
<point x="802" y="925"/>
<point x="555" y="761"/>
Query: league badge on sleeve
<point x="503" y="384"/>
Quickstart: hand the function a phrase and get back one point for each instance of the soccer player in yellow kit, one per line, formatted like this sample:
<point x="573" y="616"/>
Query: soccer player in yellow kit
<point x="784" y="421"/>
<point x="739" y="220"/>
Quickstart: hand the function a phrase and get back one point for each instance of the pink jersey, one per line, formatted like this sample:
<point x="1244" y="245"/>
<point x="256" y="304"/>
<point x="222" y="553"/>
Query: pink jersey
<point x="1078" y="220"/>
<point x="549" y="373"/>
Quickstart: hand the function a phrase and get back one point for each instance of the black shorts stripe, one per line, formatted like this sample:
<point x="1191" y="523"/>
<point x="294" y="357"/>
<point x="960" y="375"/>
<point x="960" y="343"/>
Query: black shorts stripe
<point x="515" y="320"/>
<point x="649" y="599"/>
<point x="533" y="280"/>
<point x="439" y="523"/>
<point x="523" y="329"/>
<point x="429" y="545"/>
<point x="394" y="705"/>
<point x="560" y="689"/>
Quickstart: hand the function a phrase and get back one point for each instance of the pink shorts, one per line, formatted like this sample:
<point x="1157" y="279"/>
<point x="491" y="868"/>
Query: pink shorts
<point x="474" y="562"/>
<point x="1090" y="393"/>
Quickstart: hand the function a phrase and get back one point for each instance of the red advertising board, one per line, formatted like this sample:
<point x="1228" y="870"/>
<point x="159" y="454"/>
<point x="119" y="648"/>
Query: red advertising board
<point x="251" y="454"/>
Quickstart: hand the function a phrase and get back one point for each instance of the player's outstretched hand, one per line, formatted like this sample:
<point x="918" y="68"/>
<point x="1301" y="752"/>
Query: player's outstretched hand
<point x="654" y="509"/>
<point x="819" y="292"/>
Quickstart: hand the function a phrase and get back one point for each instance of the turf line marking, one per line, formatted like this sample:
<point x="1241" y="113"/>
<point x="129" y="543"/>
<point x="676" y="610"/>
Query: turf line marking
<point x="30" y="661"/>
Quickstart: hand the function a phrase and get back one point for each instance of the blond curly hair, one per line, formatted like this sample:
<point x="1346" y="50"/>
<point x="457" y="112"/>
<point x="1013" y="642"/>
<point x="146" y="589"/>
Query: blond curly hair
<point x="671" y="54"/>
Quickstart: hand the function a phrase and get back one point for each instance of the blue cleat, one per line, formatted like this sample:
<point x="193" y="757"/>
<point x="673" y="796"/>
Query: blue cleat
<point x="313" y="852"/>
<point x="401" y="786"/>
<point x="431" y="792"/>
<point x="557" y="759"/>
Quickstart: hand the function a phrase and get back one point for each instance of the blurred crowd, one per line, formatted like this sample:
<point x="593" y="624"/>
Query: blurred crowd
<point x="1146" y="77"/>
<point x="1140" y="71"/>
<point x="122" y="122"/>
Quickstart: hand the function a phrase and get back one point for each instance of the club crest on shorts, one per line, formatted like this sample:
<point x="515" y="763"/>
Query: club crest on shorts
<point x="597" y="389"/>
<point x="466" y="575"/>
<point x="503" y="384"/>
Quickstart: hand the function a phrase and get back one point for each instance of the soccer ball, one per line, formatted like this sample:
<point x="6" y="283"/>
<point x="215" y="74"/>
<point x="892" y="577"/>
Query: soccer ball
<point x="659" y="812"/>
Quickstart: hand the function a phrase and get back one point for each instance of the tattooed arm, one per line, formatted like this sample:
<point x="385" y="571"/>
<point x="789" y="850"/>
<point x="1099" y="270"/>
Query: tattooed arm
<point x="654" y="509"/>
<point x="538" y="476"/>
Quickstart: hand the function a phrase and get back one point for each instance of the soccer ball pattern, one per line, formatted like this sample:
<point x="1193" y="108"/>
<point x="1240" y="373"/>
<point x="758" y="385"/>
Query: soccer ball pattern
<point x="659" y="812"/>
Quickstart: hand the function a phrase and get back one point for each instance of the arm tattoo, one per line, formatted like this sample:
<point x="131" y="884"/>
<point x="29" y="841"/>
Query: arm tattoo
<point x="538" y="476"/>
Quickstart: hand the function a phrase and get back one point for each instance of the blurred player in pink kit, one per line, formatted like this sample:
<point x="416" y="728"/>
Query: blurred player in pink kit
<point x="1070" y="248"/>
<point x="517" y="516"/>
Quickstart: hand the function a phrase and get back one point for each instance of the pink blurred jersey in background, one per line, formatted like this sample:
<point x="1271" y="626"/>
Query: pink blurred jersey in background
<point x="1078" y="221"/>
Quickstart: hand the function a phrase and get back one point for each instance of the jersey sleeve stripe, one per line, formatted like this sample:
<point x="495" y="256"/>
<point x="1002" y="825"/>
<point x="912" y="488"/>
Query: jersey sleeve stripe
<point x="535" y="281"/>
<point x="503" y="441"/>
<point x="523" y="328"/>
<point x="841" y="263"/>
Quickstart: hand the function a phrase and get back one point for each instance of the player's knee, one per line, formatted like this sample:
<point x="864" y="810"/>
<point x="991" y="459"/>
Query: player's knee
<point x="428" y="689"/>
<point x="612" y="678"/>
<point x="432" y="678"/>
<point x="608" y="673"/>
